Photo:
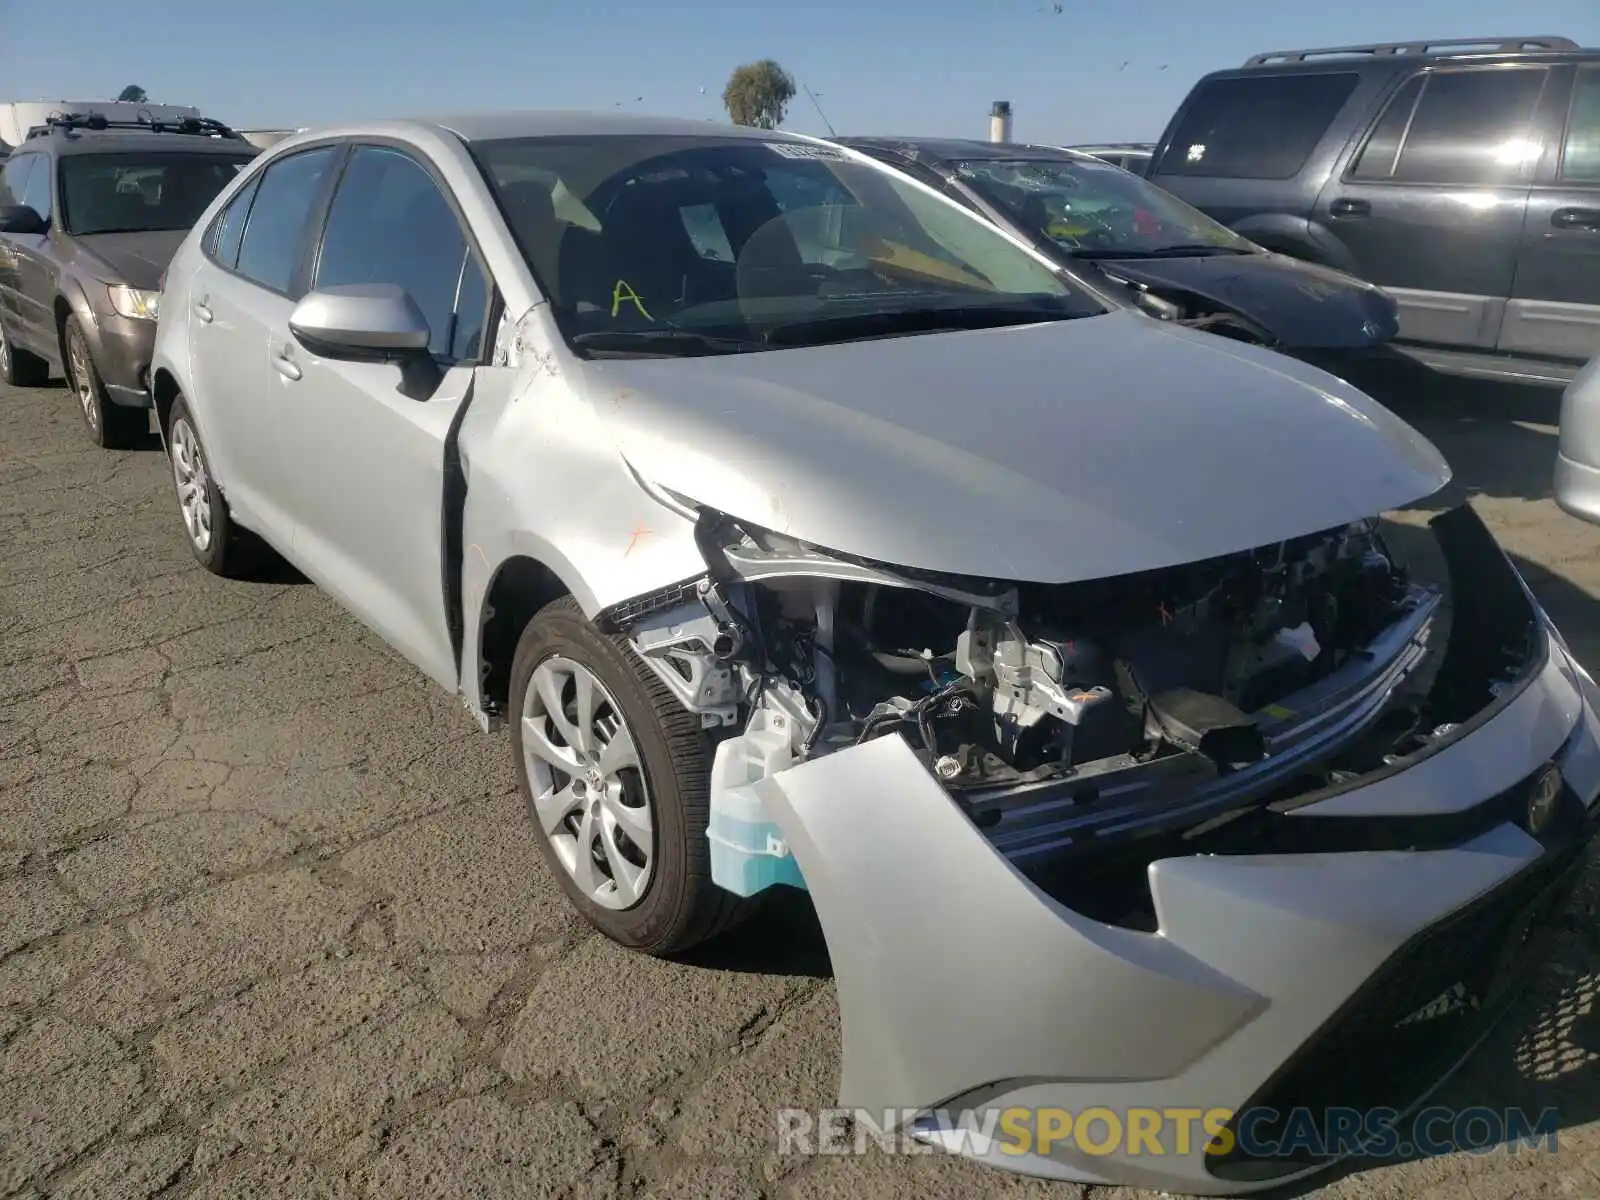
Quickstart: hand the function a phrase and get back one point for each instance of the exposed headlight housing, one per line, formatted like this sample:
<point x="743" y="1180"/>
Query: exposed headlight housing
<point x="1544" y="801"/>
<point x="134" y="303"/>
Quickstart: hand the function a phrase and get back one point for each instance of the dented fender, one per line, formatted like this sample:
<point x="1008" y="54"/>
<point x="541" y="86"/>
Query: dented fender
<point x="532" y="444"/>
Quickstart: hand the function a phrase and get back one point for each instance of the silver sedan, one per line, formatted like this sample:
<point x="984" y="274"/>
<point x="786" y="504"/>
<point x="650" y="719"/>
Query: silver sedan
<point x="806" y="531"/>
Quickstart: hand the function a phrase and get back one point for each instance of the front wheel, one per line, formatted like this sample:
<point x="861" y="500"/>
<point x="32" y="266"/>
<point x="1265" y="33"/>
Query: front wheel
<point x="111" y="426"/>
<point x="616" y="777"/>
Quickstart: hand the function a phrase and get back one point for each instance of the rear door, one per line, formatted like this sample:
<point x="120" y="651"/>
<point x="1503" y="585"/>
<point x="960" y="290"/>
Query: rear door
<point x="1555" y="301"/>
<point x="34" y="297"/>
<point x="246" y="289"/>
<point x="1431" y="204"/>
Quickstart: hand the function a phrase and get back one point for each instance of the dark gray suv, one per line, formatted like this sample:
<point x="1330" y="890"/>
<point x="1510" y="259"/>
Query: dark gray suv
<point x="91" y="211"/>
<point x="1461" y="176"/>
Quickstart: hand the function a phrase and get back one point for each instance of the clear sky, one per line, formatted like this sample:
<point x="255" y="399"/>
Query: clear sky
<point x="1098" y="69"/>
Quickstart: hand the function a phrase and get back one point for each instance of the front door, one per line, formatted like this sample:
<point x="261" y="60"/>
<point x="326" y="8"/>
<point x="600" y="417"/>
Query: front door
<point x="32" y="315"/>
<point x="13" y="186"/>
<point x="1431" y="206"/>
<point x="364" y="470"/>
<point x="1555" y="302"/>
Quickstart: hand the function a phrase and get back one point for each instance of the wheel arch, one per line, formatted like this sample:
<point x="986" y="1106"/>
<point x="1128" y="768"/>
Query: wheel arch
<point x="520" y="586"/>
<point x="164" y="391"/>
<point x="69" y="302"/>
<point x="1298" y="238"/>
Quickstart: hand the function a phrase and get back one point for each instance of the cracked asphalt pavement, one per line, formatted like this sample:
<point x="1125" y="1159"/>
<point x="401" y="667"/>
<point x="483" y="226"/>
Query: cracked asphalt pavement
<point x="272" y="922"/>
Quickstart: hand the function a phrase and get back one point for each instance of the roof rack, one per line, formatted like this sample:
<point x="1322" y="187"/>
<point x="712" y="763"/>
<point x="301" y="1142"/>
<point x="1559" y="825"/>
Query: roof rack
<point x="98" y="123"/>
<point x="1449" y="45"/>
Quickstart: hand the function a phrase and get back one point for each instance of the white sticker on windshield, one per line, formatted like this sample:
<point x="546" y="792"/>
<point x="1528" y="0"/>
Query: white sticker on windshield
<point x="800" y="150"/>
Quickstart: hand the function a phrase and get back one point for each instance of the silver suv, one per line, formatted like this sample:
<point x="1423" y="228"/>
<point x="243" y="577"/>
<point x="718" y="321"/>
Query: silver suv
<point x="807" y="531"/>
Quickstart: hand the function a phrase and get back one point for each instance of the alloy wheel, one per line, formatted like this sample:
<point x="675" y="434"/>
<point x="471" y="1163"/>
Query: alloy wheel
<point x="590" y="794"/>
<point x="82" y="378"/>
<point x="5" y="354"/>
<point x="194" y="483"/>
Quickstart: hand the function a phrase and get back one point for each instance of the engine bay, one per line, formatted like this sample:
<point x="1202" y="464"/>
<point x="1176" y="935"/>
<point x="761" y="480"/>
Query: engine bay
<point x="1068" y="718"/>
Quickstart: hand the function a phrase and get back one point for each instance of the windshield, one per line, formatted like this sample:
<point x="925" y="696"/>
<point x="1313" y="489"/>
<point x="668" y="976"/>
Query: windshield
<point x="1090" y="206"/>
<point x="691" y="245"/>
<point x="141" y="193"/>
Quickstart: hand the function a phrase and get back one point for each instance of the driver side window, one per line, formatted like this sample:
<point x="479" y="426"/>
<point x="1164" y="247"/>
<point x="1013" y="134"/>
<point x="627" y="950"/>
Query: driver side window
<point x="14" y="179"/>
<point x="37" y="196"/>
<point x="390" y="223"/>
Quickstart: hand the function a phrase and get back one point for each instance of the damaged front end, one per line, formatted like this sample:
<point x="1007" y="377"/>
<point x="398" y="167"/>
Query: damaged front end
<point x="1079" y="727"/>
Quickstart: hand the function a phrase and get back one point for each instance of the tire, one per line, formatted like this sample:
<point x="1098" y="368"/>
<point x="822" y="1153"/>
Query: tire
<point x="677" y="906"/>
<point x="221" y="547"/>
<point x="18" y="368"/>
<point x="111" y="426"/>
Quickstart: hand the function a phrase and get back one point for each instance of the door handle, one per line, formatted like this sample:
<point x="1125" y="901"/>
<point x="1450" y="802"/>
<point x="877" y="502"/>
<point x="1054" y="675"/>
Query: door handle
<point x="1346" y="207"/>
<point x="202" y="311"/>
<point x="1587" y="219"/>
<point x="285" y="365"/>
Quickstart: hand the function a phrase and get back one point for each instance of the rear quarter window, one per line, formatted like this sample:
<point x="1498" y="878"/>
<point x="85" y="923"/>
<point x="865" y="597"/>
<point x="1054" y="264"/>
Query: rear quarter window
<point x="1255" y="126"/>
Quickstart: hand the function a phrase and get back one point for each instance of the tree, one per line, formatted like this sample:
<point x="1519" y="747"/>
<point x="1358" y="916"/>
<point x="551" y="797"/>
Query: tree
<point x="134" y="93"/>
<point x="757" y="93"/>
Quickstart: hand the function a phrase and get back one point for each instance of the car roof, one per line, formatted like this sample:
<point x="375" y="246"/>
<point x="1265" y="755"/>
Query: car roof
<point x="1388" y="56"/>
<point x="964" y="150"/>
<point x="496" y="125"/>
<point x="1113" y="147"/>
<point x="80" y="142"/>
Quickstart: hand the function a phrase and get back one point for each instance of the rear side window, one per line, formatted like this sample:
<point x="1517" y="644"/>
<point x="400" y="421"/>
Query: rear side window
<point x="1580" y="160"/>
<point x="1382" y="151"/>
<point x="14" y="179"/>
<point x="274" y="234"/>
<point x="1255" y="126"/>
<point x="228" y="230"/>
<point x="1472" y="127"/>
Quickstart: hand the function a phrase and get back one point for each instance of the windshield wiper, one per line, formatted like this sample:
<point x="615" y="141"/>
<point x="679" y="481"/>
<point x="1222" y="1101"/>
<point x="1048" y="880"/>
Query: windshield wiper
<point x="860" y="326"/>
<point x="1186" y="250"/>
<point x="665" y="343"/>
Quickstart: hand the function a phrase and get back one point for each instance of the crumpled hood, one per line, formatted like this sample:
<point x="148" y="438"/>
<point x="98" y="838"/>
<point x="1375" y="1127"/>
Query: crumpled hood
<point x="1304" y="306"/>
<point x="136" y="259"/>
<point x="1048" y="453"/>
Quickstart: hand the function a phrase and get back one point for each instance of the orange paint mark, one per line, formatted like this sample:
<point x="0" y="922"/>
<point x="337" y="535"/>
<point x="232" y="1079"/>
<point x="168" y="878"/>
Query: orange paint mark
<point x="633" y="539"/>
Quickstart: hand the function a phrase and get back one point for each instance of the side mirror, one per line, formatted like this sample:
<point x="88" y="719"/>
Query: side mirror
<point x="19" y="218"/>
<point x="360" y="320"/>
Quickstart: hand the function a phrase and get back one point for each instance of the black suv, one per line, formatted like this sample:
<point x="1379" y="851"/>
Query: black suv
<point x="1462" y="176"/>
<point x="91" y="212"/>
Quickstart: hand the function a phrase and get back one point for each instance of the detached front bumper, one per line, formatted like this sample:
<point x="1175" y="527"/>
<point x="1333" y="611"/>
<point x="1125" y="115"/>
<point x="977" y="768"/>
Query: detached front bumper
<point x="1271" y="980"/>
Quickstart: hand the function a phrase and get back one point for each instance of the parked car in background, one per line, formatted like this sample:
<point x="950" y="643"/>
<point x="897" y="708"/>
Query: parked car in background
<point x="805" y="529"/>
<point x="19" y="116"/>
<point x="1170" y="258"/>
<point x="90" y="212"/>
<point x="1463" y="176"/>
<point x="1130" y="156"/>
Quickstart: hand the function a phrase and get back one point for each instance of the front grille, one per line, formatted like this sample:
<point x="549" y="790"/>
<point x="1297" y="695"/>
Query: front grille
<point x="1413" y="1020"/>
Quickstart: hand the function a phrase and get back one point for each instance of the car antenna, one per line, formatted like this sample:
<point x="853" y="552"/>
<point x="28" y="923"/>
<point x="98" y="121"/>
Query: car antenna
<point x="813" y="98"/>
